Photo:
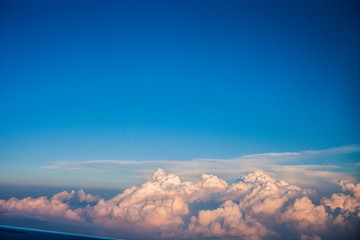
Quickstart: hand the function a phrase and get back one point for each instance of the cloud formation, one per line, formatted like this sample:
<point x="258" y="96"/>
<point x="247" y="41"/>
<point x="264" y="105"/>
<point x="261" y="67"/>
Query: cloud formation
<point x="161" y="203"/>
<point x="83" y="197"/>
<point x="347" y="204"/>
<point x="305" y="215"/>
<point x="256" y="206"/>
<point x="226" y="221"/>
<point x="205" y="163"/>
<point x="288" y="166"/>
<point x="55" y="207"/>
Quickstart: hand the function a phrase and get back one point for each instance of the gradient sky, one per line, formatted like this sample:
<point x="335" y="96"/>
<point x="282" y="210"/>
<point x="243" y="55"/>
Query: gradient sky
<point x="174" y="80"/>
<point x="181" y="119"/>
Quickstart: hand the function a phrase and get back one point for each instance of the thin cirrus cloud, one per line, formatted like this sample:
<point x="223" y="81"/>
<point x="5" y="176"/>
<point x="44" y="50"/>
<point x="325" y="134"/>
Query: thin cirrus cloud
<point x="288" y="166"/>
<point x="258" y="206"/>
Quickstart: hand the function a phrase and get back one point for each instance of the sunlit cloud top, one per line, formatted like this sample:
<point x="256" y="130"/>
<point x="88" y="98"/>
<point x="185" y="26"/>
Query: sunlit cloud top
<point x="258" y="206"/>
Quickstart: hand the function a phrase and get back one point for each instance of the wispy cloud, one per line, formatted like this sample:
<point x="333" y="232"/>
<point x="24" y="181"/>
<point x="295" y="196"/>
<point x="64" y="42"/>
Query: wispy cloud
<point x="287" y="165"/>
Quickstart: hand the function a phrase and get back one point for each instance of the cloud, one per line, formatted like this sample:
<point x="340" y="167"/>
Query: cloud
<point x="306" y="216"/>
<point x="55" y="207"/>
<point x="226" y="221"/>
<point x="262" y="194"/>
<point x="83" y="197"/>
<point x="343" y="202"/>
<point x="310" y="175"/>
<point x="256" y="206"/>
<point x="287" y="166"/>
<point x="204" y="163"/>
<point x="354" y="188"/>
<point x="348" y="204"/>
<point x="162" y="202"/>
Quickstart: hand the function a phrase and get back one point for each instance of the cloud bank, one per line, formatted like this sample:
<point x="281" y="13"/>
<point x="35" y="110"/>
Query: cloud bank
<point x="289" y="166"/>
<point x="256" y="206"/>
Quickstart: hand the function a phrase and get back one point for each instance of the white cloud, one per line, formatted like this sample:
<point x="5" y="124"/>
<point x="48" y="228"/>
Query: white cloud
<point x="253" y="160"/>
<point x="309" y="175"/>
<point x="257" y="206"/>
<point x="160" y="203"/>
<point x="264" y="194"/>
<point x="283" y="165"/>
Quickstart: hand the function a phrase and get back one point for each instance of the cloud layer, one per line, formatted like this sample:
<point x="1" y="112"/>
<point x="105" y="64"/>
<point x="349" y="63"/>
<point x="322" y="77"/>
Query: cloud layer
<point x="289" y="166"/>
<point x="257" y="206"/>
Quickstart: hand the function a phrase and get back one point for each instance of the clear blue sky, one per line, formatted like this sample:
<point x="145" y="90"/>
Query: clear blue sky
<point x="176" y="80"/>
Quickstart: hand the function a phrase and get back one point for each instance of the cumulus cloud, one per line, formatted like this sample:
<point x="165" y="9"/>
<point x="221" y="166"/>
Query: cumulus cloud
<point x="262" y="194"/>
<point x="256" y="206"/>
<point x="347" y="203"/>
<point x="160" y="203"/>
<point x="306" y="216"/>
<point x="55" y="207"/>
<point x="354" y="188"/>
<point x="343" y="202"/>
<point x="226" y="221"/>
<point x="83" y="197"/>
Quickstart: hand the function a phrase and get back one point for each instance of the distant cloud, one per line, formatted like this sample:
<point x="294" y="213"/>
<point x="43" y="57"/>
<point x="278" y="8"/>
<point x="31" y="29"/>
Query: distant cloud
<point x="306" y="216"/>
<point x="287" y="165"/>
<point x="246" y="160"/>
<point x="226" y="221"/>
<point x="159" y="203"/>
<point x="346" y="203"/>
<point x="55" y="207"/>
<point x="83" y="197"/>
<point x="257" y="206"/>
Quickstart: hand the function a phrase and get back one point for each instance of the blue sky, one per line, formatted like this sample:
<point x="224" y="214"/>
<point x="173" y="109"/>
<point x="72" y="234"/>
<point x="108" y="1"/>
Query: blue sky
<point x="220" y="119"/>
<point x="174" y="80"/>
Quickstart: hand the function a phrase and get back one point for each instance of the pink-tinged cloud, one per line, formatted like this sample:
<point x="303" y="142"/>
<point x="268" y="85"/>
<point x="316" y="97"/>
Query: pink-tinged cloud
<point x="226" y="221"/>
<point x="262" y="194"/>
<point x="160" y="203"/>
<point x="353" y="188"/>
<point x="257" y="206"/>
<point x="306" y="216"/>
<point x="55" y="207"/>
<point x="83" y="197"/>
<point x="346" y="203"/>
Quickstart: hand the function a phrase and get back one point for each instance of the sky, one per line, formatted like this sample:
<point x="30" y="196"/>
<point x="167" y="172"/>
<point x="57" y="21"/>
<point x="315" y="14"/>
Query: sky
<point x="99" y="95"/>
